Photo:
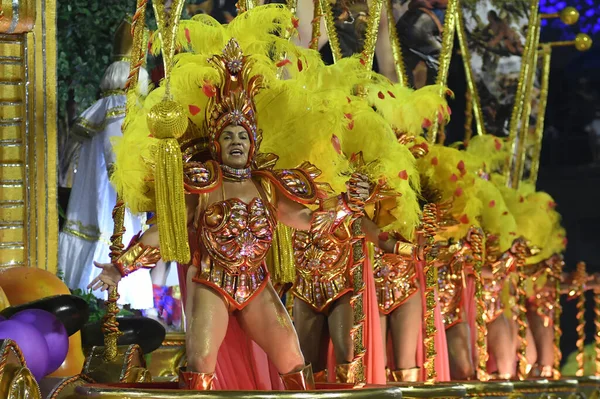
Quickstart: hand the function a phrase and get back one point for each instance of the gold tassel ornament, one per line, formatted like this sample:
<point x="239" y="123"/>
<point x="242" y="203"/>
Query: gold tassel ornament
<point x="167" y="122"/>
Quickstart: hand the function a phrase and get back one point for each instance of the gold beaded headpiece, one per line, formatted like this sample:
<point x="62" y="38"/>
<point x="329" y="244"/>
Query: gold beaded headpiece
<point x="232" y="102"/>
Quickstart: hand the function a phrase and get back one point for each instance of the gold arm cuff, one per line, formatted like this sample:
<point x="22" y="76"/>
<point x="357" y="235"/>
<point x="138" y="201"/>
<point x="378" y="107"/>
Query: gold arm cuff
<point x="404" y="249"/>
<point x="137" y="256"/>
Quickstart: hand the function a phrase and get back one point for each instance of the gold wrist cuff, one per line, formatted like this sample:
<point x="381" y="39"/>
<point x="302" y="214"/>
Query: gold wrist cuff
<point x="404" y="249"/>
<point x="137" y="256"/>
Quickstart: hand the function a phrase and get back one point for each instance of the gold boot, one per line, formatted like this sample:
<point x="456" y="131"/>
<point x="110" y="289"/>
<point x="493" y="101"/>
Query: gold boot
<point x="346" y="373"/>
<point x="195" y="381"/>
<point x="321" y="376"/>
<point x="546" y="372"/>
<point x="301" y="380"/>
<point x="406" y="375"/>
<point x="498" y="376"/>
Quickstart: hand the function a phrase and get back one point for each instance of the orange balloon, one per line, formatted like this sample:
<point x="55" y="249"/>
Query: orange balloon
<point x="73" y="363"/>
<point x="27" y="284"/>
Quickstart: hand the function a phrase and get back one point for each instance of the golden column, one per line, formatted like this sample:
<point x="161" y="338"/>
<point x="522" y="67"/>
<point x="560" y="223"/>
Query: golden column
<point x="28" y="207"/>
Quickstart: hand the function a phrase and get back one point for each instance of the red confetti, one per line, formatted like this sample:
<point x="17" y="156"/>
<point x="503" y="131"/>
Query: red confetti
<point x="434" y="161"/>
<point x="349" y="101"/>
<point x="300" y="66"/>
<point x="505" y="213"/>
<point x="449" y="110"/>
<point x="551" y="204"/>
<point x="381" y="95"/>
<point x="283" y="62"/>
<point x="426" y="123"/>
<point x="295" y="22"/>
<point x="335" y="141"/>
<point x="187" y="36"/>
<point x="453" y="178"/>
<point x="461" y="165"/>
<point x="391" y="94"/>
<point x="497" y="144"/>
<point x="458" y="192"/>
<point x="384" y="236"/>
<point x="194" y="109"/>
<point x="521" y="199"/>
<point x="403" y="175"/>
<point x="492" y="204"/>
<point x="565" y="241"/>
<point x="464" y="219"/>
<point x="348" y="116"/>
<point x="363" y="62"/>
<point x="512" y="233"/>
<point x="351" y="125"/>
<point x="209" y="90"/>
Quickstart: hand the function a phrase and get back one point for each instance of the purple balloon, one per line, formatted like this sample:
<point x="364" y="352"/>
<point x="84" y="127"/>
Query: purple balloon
<point x="31" y="342"/>
<point x="54" y="333"/>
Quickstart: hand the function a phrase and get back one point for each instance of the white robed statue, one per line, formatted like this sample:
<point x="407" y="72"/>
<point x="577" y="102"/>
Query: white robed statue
<point x="86" y="234"/>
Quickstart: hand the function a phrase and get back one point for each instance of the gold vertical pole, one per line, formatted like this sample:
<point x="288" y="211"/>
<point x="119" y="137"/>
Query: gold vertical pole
<point x="358" y="264"/>
<point x="468" y="118"/>
<point x="523" y="367"/>
<point x="396" y="47"/>
<point x="597" y="336"/>
<point x="368" y="53"/>
<point x="110" y="326"/>
<point x="522" y="141"/>
<point x="430" y="228"/>
<point x="579" y="280"/>
<point x="445" y="57"/>
<point x="546" y="54"/>
<point x="316" y="26"/>
<point x="334" y="43"/>
<point x="517" y="112"/>
<point x="471" y="86"/>
<point x="477" y="246"/>
<point x="557" y="329"/>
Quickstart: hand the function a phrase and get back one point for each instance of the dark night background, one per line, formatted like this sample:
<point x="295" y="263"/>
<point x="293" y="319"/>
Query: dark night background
<point x="570" y="160"/>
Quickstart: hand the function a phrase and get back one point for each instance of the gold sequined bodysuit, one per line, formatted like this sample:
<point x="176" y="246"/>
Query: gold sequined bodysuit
<point x="235" y="237"/>
<point x="395" y="281"/>
<point x="452" y="270"/>
<point x="492" y="287"/>
<point x="322" y="267"/>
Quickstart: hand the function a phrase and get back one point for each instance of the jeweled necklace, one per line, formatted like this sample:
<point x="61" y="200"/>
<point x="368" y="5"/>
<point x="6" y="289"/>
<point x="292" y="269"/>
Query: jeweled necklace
<point x="233" y="174"/>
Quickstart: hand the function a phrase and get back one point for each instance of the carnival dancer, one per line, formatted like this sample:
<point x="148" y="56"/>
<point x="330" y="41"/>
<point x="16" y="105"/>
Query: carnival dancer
<point x="486" y="154"/>
<point x="323" y="283"/>
<point x="447" y="181"/>
<point x="88" y="227"/>
<point x="233" y="201"/>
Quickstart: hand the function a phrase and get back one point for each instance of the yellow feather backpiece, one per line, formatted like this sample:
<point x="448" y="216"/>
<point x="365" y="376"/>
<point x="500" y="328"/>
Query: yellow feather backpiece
<point x="496" y="218"/>
<point x="446" y="172"/>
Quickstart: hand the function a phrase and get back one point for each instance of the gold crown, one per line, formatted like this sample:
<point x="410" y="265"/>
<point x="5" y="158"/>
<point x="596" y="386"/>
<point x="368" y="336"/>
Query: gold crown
<point x="233" y="101"/>
<point x="123" y="42"/>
